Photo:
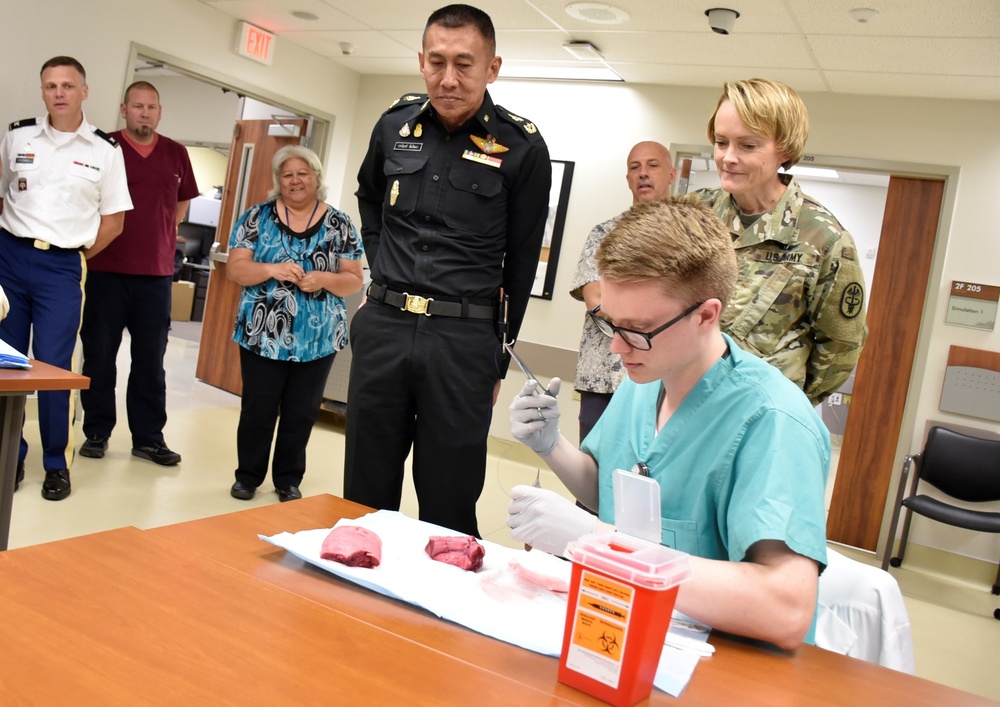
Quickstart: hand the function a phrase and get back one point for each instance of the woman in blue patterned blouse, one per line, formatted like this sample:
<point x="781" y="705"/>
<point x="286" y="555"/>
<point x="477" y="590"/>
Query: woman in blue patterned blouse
<point x="296" y="258"/>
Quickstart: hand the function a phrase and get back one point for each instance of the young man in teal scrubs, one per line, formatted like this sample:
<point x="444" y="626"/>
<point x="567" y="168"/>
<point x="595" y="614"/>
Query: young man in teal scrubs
<point x="739" y="453"/>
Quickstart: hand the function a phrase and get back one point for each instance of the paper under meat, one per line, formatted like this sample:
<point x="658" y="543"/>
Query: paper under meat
<point x="494" y="601"/>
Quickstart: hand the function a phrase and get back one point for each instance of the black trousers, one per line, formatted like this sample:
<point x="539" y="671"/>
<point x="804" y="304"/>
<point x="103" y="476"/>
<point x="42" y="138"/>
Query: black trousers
<point x="286" y="392"/>
<point x="141" y="304"/>
<point x="426" y="382"/>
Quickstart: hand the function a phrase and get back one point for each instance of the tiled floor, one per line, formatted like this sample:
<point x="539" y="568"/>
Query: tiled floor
<point x="957" y="642"/>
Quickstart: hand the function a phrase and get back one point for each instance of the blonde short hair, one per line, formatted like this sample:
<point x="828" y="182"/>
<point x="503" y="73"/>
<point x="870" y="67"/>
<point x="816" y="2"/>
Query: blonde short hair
<point x="289" y="152"/>
<point x="676" y="240"/>
<point x="771" y="109"/>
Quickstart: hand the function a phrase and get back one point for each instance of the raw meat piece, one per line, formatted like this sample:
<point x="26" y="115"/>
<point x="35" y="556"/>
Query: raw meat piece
<point x="462" y="551"/>
<point x="353" y="546"/>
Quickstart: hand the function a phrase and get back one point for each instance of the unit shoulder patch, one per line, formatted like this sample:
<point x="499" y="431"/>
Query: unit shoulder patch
<point x="852" y="299"/>
<point x="23" y="123"/>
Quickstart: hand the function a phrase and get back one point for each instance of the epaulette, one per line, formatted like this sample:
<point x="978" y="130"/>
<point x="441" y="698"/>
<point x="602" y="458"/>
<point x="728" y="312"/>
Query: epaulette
<point x="23" y="123"/>
<point x="530" y="131"/>
<point x="104" y="136"/>
<point x="408" y="99"/>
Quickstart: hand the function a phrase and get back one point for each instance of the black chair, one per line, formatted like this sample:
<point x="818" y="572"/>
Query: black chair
<point x="963" y="467"/>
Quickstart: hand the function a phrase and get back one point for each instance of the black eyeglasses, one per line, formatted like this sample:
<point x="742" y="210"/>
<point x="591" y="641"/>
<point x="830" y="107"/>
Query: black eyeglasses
<point x="641" y="340"/>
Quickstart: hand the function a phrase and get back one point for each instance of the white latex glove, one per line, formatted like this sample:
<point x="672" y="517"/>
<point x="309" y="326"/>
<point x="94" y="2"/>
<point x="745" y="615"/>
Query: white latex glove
<point x="545" y="520"/>
<point x="534" y="418"/>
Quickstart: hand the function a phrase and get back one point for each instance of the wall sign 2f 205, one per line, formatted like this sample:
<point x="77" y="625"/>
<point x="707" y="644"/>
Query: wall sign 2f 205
<point x="973" y="305"/>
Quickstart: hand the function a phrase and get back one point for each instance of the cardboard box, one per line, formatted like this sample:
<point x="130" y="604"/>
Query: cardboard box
<point x="181" y="301"/>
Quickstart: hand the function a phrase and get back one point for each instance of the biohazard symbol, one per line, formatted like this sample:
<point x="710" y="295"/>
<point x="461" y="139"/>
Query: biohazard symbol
<point x="851" y="300"/>
<point x="609" y="643"/>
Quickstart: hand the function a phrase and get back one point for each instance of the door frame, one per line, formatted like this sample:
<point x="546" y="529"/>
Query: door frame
<point x="932" y="295"/>
<point x="320" y="129"/>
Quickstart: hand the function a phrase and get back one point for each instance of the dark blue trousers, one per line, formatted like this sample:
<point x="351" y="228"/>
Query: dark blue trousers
<point x="45" y="289"/>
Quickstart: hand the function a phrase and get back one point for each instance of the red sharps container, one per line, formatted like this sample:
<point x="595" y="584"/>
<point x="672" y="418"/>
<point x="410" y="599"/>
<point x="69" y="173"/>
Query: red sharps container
<point x="620" y="600"/>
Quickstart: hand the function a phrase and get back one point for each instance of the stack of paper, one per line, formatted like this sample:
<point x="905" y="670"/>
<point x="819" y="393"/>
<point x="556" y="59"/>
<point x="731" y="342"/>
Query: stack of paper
<point x="11" y="358"/>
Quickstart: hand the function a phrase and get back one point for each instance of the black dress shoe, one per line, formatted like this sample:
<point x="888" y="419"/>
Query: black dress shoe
<point x="242" y="491"/>
<point x="94" y="447"/>
<point x="158" y="453"/>
<point x="288" y="493"/>
<point x="56" y="485"/>
<point x="19" y="475"/>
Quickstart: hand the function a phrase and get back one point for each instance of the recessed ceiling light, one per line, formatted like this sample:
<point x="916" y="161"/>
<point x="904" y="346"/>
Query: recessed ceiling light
<point x="815" y="172"/>
<point x="864" y="15"/>
<point x="597" y="13"/>
<point x="303" y="15"/>
<point x="583" y="51"/>
<point x="559" y="73"/>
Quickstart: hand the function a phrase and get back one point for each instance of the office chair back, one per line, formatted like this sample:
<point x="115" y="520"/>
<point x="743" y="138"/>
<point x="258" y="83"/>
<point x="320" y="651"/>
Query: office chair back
<point x="964" y="467"/>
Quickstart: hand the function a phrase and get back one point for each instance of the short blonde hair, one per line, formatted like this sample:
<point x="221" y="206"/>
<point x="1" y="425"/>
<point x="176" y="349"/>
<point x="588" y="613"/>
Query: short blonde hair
<point x="289" y="152"/>
<point x="676" y="240"/>
<point x="771" y="109"/>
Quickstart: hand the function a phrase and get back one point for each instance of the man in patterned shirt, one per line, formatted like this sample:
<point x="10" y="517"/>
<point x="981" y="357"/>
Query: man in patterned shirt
<point x="598" y="371"/>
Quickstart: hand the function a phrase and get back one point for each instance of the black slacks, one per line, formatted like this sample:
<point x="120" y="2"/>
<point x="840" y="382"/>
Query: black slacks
<point x="426" y="382"/>
<point x="286" y="392"/>
<point x="141" y="304"/>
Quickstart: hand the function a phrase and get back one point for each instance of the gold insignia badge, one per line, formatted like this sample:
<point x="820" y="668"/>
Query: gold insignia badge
<point x="411" y="97"/>
<point x="515" y="118"/>
<point x="418" y="131"/>
<point x="394" y="193"/>
<point x="530" y="128"/>
<point x="394" y="102"/>
<point x="488" y="144"/>
<point x="405" y="130"/>
<point x="486" y="118"/>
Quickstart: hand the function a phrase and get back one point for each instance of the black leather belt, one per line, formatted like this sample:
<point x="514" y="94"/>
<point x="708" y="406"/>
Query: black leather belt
<point x="468" y="308"/>
<point x="40" y="245"/>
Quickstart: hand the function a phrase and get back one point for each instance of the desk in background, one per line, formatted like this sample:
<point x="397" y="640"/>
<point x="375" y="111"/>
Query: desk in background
<point x="15" y="384"/>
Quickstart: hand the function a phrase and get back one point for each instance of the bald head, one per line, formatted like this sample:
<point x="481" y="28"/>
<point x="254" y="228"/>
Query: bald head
<point x="650" y="172"/>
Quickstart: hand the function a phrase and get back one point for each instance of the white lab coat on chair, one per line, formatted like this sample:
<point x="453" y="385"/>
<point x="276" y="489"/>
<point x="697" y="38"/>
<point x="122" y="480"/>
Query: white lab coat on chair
<point x="862" y="614"/>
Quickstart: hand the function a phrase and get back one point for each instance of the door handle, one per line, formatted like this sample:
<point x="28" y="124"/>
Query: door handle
<point x="214" y="256"/>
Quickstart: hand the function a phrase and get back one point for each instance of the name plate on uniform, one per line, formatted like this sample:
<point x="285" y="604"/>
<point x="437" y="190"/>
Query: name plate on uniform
<point x="973" y="305"/>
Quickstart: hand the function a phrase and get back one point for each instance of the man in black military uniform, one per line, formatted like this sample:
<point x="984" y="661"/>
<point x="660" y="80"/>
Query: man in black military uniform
<point x="453" y="196"/>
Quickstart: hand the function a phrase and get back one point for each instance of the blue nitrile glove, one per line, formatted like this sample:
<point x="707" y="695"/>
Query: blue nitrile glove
<point x="545" y="520"/>
<point x="534" y="418"/>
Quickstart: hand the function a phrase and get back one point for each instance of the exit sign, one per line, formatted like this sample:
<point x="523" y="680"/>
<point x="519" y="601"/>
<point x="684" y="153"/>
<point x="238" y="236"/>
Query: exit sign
<point x="255" y="44"/>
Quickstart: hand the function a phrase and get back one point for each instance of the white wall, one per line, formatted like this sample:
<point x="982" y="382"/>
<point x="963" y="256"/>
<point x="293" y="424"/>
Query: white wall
<point x="193" y="111"/>
<point x="99" y="33"/>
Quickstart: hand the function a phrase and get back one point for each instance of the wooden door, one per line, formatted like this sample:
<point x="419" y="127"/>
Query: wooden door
<point x="248" y="180"/>
<point x="898" y="292"/>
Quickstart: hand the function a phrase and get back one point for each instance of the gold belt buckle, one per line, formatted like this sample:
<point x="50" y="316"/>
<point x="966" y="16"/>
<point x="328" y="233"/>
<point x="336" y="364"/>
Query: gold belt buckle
<point x="417" y="304"/>
<point x="41" y="245"/>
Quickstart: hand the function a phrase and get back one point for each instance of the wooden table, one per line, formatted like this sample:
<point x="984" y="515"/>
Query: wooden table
<point x="15" y="384"/>
<point x="741" y="672"/>
<point x="204" y="612"/>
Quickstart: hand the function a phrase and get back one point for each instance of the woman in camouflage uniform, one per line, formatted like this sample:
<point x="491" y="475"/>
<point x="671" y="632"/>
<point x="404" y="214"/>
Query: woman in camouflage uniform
<point x="800" y="298"/>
